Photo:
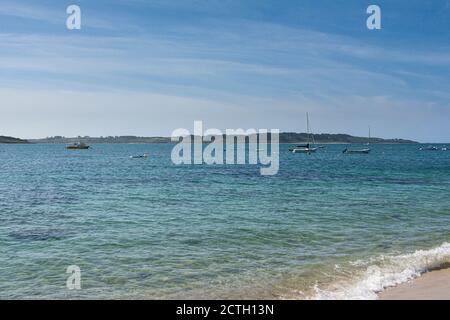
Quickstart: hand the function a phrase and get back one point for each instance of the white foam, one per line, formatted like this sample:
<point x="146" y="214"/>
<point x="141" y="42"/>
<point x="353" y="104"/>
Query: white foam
<point x="387" y="271"/>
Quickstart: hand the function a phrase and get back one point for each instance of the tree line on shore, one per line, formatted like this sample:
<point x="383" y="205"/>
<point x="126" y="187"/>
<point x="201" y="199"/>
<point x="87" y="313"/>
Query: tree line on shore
<point x="285" y="137"/>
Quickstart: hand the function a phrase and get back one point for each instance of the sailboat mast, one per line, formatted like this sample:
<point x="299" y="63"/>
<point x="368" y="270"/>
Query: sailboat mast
<point x="308" y="128"/>
<point x="307" y="123"/>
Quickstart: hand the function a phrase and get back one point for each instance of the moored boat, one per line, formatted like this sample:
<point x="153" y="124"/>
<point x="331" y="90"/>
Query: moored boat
<point x="145" y="155"/>
<point x="429" y="148"/>
<point x="356" y="151"/>
<point x="359" y="151"/>
<point x="78" y="146"/>
<point x="305" y="148"/>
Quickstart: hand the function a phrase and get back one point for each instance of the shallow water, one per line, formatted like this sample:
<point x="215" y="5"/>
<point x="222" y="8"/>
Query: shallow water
<point x="328" y="225"/>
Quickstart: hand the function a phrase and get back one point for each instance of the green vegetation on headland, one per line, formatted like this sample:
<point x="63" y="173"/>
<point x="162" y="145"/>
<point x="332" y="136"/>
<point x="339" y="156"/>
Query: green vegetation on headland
<point x="4" y="139"/>
<point x="285" y="137"/>
<point x="324" y="138"/>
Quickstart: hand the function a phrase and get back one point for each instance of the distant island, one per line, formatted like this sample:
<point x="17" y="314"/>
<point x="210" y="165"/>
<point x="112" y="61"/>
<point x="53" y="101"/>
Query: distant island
<point x="285" y="137"/>
<point x="4" y="139"/>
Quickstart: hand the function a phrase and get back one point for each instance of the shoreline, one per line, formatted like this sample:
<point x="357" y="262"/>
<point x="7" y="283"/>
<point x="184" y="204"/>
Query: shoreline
<point x="34" y="142"/>
<point x="432" y="285"/>
<point x="419" y="274"/>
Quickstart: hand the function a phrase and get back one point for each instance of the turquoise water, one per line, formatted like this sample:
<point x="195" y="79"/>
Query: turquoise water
<point x="328" y="225"/>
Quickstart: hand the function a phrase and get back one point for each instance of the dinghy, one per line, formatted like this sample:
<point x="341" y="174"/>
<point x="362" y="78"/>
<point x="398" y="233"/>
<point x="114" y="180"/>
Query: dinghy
<point x="145" y="155"/>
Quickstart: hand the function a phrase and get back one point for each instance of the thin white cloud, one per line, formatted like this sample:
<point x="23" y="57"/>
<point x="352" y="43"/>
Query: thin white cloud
<point x="14" y="9"/>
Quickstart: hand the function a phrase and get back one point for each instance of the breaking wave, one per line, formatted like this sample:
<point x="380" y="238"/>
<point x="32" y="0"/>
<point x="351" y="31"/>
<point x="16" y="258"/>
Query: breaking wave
<point x="383" y="272"/>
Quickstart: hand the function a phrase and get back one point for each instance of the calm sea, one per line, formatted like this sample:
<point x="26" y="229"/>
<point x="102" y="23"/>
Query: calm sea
<point x="328" y="225"/>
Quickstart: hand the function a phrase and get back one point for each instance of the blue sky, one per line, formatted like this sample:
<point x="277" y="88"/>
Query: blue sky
<point x="148" y="67"/>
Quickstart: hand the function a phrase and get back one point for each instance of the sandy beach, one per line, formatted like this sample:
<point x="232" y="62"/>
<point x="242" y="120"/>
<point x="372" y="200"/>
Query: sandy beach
<point x="434" y="285"/>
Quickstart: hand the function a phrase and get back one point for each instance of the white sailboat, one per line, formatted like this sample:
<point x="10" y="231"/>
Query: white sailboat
<point x="358" y="151"/>
<point x="306" y="148"/>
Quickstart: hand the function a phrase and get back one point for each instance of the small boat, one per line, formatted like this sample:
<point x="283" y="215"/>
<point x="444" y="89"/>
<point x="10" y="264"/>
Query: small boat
<point x="78" y="146"/>
<point x="429" y="148"/>
<point x="359" y="151"/>
<point x="356" y="151"/>
<point x="305" y="148"/>
<point x="145" y="155"/>
<point x="445" y="149"/>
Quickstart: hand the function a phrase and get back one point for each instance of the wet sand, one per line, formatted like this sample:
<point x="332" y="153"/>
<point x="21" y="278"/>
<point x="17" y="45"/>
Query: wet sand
<point x="434" y="285"/>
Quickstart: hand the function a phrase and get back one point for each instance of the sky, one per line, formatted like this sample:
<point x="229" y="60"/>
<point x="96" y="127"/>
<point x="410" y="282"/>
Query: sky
<point x="147" y="68"/>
